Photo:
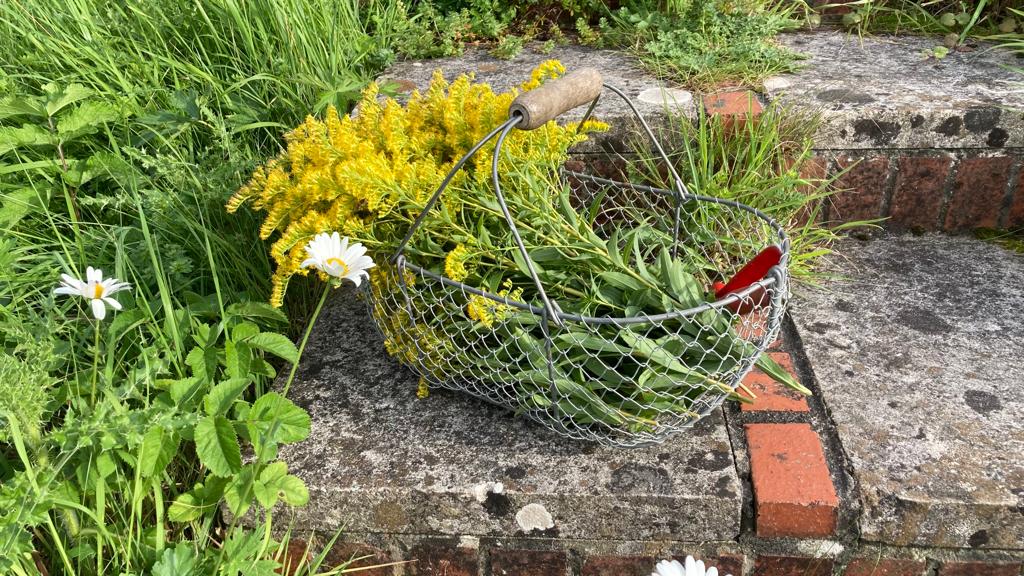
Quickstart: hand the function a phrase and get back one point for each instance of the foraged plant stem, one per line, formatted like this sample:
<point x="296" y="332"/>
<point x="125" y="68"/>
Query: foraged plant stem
<point x="305" y="338"/>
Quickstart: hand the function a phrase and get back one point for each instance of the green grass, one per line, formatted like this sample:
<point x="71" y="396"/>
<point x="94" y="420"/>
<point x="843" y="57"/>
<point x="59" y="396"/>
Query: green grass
<point x="959" y="20"/>
<point x="124" y="127"/>
<point x="759" y="163"/>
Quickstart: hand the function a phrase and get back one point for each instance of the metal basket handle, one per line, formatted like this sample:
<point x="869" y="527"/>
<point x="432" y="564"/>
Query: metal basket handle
<point x="532" y="110"/>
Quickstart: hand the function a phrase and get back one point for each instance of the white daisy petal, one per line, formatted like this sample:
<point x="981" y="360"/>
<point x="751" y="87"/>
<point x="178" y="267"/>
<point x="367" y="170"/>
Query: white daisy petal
<point x="712" y="571"/>
<point x="99" y="309"/>
<point x="70" y="281"/>
<point x="309" y="262"/>
<point x="700" y="567"/>
<point x="113" y="303"/>
<point x="66" y="290"/>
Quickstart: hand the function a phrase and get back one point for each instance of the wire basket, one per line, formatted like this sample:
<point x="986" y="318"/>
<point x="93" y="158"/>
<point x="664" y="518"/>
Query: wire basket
<point x="622" y="381"/>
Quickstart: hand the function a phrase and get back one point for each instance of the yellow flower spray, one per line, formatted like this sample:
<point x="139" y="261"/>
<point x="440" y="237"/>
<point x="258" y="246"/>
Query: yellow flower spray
<point x="367" y="176"/>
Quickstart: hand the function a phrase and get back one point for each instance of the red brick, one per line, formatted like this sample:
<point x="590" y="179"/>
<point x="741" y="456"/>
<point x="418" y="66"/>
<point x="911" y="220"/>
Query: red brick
<point x="884" y="567"/>
<point x="792" y="566"/>
<point x="527" y="562"/>
<point x="978" y="192"/>
<point x="860" y="189"/>
<point x="1015" y="218"/>
<point x="980" y="569"/>
<point x="793" y="491"/>
<point x="361" y="556"/>
<point x="730" y="564"/>
<point x="618" y="566"/>
<point x="295" y="553"/>
<point x="443" y="557"/>
<point x="814" y="170"/>
<point x="734" y="106"/>
<point x="919" y="192"/>
<point x="770" y="395"/>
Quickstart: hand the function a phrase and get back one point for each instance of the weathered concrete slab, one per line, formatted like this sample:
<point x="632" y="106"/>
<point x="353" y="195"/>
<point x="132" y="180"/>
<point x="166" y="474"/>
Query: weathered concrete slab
<point x="920" y="359"/>
<point x="880" y="92"/>
<point x="379" y="460"/>
<point x="652" y="97"/>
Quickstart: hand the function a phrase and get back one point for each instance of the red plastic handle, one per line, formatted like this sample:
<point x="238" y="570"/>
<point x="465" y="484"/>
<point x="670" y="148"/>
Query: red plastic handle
<point x="752" y="272"/>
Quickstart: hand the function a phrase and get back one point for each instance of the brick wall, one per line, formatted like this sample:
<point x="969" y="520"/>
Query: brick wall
<point x="438" y="556"/>
<point x="931" y="190"/>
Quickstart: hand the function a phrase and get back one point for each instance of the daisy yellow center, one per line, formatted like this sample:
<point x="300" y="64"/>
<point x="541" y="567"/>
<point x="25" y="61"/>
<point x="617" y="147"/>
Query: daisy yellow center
<point x="339" y="262"/>
<point x="97" y="291"/>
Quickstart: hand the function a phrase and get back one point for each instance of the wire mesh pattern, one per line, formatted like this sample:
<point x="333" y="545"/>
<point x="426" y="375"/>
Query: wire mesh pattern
<point x="622" y="381"/>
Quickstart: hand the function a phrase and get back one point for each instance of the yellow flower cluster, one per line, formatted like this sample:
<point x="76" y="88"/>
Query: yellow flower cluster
<point x="368" y="175"/>
<point x="455" y="263"/>
<point x="487" y="311"/>
<point x="547" y="70"/>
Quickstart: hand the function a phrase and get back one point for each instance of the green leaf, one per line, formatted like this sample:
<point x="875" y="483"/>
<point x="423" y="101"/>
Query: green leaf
<point x="237" y="359"/>
<point x="260" y="367"/>
<point x="159" y="445"/>
<point x="59" y="97"/>
<point x="772" y="368"/>
<point x="217" y="445"/>
<point x="85" y="119"/>
<point x="647" y="348"/>
<point x="203" y="362"/>
<point x="202" y="499"/>
<point x="275" y="420"/>
<point x="293" y="491"/>
<point x="238" y="494"/>
<point x="178" y="560"/>
<point x="265" y="488"/>
<point x="276" y="484"/>
<point x="186" y="391"/>
<point x="620" y="280"/>
<point x="244" y="330"/>
<point x="18" y="204"/>
<point x="275" y="344"/>
<point x="21" y="106"/>
<point x="223" y="395"/>
<point x="258" y="311"/>
<point x="27" y="135"/>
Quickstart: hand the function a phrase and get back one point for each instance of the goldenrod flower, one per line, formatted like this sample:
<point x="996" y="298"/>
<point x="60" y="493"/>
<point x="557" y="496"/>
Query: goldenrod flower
<point x="455" y="263"/>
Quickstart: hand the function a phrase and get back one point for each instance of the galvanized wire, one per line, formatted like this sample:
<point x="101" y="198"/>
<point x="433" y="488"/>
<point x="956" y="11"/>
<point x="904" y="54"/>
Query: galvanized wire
<point x="621" y="381"/>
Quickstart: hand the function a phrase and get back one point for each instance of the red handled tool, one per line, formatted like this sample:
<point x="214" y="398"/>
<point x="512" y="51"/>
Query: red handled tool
<point x="753" y="271"/>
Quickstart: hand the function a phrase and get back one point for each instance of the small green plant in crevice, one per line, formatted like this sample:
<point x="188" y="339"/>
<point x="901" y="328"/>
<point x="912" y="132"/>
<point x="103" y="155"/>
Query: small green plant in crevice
<point x="1012" y="240"/>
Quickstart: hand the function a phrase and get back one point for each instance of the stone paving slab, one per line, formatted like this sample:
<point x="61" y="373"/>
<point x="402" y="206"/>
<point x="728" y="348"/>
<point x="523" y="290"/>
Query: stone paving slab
<point x="378" y="460"/>
<point x="880" y="92"/>
<point x="919" y="354"/>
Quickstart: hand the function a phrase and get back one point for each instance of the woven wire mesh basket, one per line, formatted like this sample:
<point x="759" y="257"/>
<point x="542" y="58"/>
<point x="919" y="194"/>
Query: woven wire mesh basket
<point x="622" y="381"/>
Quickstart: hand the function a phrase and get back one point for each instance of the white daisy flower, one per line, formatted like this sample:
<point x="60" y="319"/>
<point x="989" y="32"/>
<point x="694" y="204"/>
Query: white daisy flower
<point x="95" y="289"/>
<point x="690" y="568"/>
<point x="331" y="254"/>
